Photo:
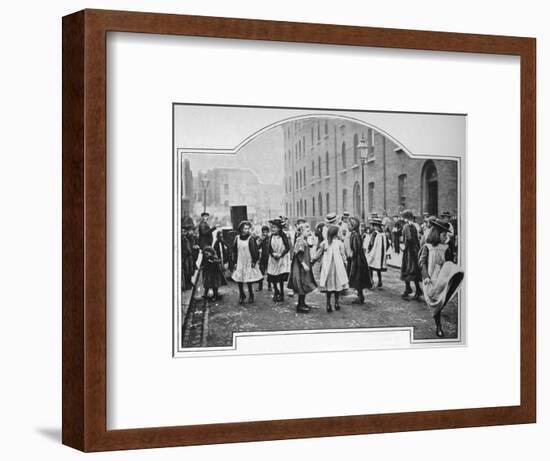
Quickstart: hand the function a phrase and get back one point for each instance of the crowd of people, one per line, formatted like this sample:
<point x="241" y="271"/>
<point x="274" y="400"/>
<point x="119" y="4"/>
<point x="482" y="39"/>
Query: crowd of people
<point x="349" y="252"/>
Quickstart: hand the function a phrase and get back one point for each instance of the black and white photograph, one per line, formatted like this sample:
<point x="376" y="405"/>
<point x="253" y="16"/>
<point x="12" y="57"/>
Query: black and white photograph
<point x="297" y="220"/>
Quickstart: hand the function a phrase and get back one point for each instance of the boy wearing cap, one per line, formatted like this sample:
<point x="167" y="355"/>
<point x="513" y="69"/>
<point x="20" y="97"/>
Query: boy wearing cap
<point x="205" y="231"/>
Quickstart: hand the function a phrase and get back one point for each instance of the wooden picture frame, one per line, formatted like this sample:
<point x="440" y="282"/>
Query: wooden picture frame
<point x="85" y="222"/>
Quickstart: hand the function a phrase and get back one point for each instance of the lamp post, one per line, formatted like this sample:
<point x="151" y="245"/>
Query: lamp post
<point x="363" y="149"/>
<point x="204" y="183"/>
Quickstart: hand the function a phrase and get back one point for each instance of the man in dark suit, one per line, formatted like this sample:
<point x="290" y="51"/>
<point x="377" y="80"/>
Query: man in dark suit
<point x="205" y="231"/>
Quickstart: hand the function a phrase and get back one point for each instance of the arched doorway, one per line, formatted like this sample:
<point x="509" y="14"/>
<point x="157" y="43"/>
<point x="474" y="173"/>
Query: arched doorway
<point x="430" y="188"/>
<point x="357" y="199"/>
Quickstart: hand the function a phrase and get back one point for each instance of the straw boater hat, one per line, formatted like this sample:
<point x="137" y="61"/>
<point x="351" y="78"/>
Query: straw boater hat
<point x="375" y="221"/>
<point x="277" y="222"/>
<point x="446" y="214"/>
<point x="345" y="214"/>
<point x="331" y="218"/>
<point x="205" y="213"/>
<point x="441" y="225"/>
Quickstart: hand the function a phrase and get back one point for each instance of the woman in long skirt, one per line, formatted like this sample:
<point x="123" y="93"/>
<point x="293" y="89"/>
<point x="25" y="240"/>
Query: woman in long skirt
<point x="358" y="268"/>
<point x="377" y="250"/>
<point x="441" y="277"/>
<point x="278" y="265"/>
<point x="410" y="270"/>
<point x="245" y="259"/>
<point x="301" y="279"/>
<point x="334" y="278"/>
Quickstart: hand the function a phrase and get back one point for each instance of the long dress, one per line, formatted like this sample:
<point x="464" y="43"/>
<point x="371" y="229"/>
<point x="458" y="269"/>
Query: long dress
<point x="244" y="272"/>
<point x="212" y="272"/>
<point x="333" y="270"/>
<point x="410" y="270"/>
<point x="358" y="269"/>
<point x="300" y="280"/>
<point x="278" y="269"/>
<point x="377" y="250"/>
<point x="445" y="276"/>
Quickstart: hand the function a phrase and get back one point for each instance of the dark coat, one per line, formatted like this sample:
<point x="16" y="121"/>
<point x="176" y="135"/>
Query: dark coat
<point x="358" y="268"/>
<point x="300" y="280"/>
<point x="410" y="269"/>
<point x="205" y="234"/>
<point x="264" y="253"/>
<point x="252" y="246"/>
<point x="187" y="262"/>
<point x="212" y="271"/>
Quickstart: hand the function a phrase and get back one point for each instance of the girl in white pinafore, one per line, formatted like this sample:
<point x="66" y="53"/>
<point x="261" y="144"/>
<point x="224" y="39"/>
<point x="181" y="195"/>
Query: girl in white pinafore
<point x="334" y="277"/>
<point x="278" y="265"/>
<point x="245" y="260"/>
<point x="441" y="277"/>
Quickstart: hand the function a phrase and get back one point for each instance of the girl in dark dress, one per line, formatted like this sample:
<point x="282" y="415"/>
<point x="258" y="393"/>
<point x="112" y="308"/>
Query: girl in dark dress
<point x="358" y="268"/>
<point x="212" y="272"/>
<point x="410" y="269"/>
<point x="301" y="279"/>
<point x="263" y="246"/>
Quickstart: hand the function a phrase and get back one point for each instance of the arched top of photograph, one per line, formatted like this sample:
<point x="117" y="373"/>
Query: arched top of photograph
<point x="311" y="171"/>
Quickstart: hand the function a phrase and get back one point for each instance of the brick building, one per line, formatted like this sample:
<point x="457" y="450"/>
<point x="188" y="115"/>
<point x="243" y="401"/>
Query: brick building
<point x="323" y="173"/>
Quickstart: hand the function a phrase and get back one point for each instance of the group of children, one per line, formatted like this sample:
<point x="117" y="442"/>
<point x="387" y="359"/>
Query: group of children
<point x="348" y="257"/>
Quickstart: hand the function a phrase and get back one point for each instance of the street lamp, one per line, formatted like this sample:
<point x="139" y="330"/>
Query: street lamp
<point x="363" y="149"/>
<point x="204" y="183"/>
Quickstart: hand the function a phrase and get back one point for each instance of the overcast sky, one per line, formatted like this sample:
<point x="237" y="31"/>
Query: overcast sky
<point x="263" y="155"/>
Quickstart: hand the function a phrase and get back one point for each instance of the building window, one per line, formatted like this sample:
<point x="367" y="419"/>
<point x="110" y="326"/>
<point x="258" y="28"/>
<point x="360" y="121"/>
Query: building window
<point x="304" y="143"/>
<point x="297" y="209"/>
<point x="402" y="190"/>
<point x="226" y="203"/>
<point x="327" y="163"/>
<point x="226" y="188"/>
<point x="370" y="143"/>
<point x="286" y="209"/>
<point x="313" y="206"/>
<point x="318" y="131"/>
<point x="328" y="203"/>
<point x="313" y="168"/>
<point x="319" y="166"/>
<point x="344" y="199"/>
<point x="355" y="151"/>
<point x="343" y="155"/>
<point x="430" y="182"/>
<point x="371" y="197"/>
<point x="312" y="140"/>
<point x="297" y="184"/>
<point x="320" y="204"/>
<point x="326" y="127"/>
<point x="305" y="207"/>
